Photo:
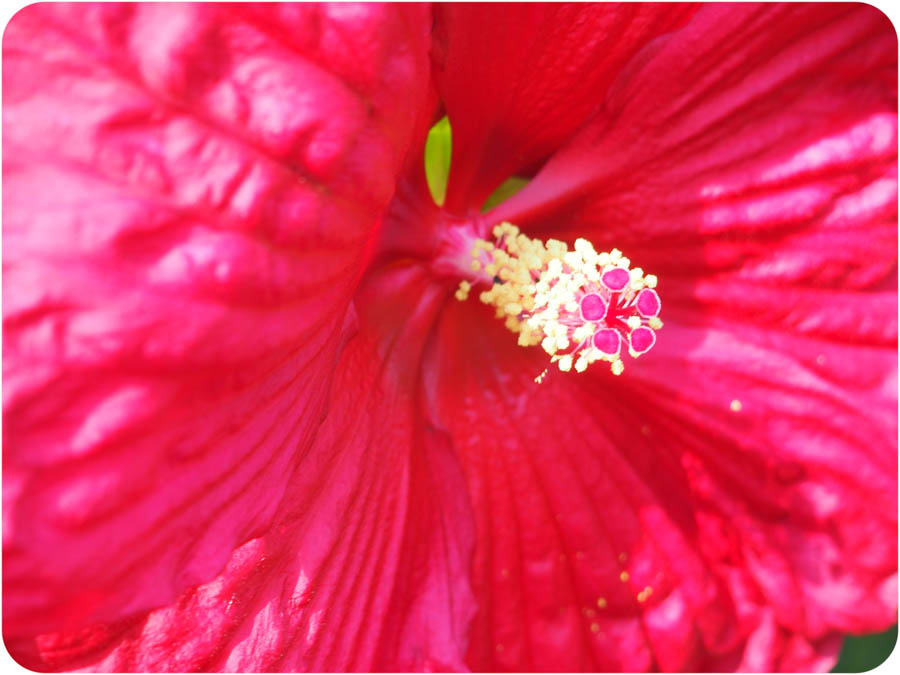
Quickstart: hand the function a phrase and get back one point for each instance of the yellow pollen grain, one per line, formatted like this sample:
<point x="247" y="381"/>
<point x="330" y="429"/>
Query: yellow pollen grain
<point x="463" y="291"/>
<point x="601" y="603"/>
<point x="617" y="367"/>
<point x="556" y="247"/>
<point x="623" y="577"/>
<point x="595" y="627"/>
<point x="573" y="260"/>
<point x="644" y="594"/>
<point x="565" y="363"/>
<point x="549" y="345"/>
<point x="735" y="406"/>
<point x="583" y="333"/>
<point x="513" y="308"/>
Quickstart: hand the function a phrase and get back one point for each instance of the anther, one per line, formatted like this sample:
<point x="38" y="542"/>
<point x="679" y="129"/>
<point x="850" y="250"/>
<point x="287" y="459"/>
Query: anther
<point x="581" y="306"/>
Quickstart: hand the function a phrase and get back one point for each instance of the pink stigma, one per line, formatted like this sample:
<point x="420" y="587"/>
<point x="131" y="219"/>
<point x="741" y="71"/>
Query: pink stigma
<point x="607" y="341"/>
<point x="615" y="279"/>
<point x="592" y="307"/>
<point x="648" y="303"/>
<point x="642" y="339"/>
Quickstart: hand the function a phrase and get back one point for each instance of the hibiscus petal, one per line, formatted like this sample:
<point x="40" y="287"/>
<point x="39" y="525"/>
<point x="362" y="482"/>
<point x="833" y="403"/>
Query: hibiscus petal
<point x="747" y="119"/>
<point x="796" y="465"/>
<point x="572" y="525"/>
<point x="365" y="565"/>
<point x="746" y="467"/>
<point x="189" y="191"/>
<point x="518" y="82"/>
<point x="648" y="521"/>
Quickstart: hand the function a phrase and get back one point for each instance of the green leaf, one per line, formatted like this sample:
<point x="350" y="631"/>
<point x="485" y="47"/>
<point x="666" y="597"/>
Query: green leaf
<point x="438" y="145"/>
<point x="438" y="151"/>
<point x="866" y="652"/>
<point x="510" y="187"/>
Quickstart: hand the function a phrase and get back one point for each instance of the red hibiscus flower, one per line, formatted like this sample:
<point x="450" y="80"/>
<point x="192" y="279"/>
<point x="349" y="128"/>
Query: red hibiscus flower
<point x="247" y="426"/>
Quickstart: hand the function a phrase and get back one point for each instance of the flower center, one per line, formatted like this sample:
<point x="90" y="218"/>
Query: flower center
<point x="580" y="306"/>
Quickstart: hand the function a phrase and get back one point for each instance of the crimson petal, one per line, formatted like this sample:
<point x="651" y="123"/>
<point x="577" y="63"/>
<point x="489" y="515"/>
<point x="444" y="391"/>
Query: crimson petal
<point x="185" y="219"/>
<point x="725" y="502"/>
<point x="751" y="118"/>
<point x="744" y="471"/>
<point x="517" y="81"/>
<point x="365" y="565"/>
